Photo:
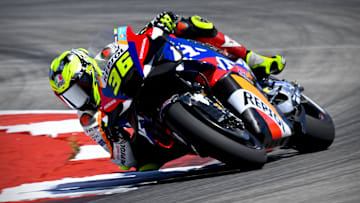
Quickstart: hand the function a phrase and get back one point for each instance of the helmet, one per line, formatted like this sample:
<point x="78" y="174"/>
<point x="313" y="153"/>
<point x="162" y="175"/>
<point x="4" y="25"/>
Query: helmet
<point x="72" y="77"/>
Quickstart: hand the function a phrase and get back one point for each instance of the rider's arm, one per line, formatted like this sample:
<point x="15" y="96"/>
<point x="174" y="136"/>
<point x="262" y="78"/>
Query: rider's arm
<point x="89" y="122"/>
<point x="120" y="150"/>
<point x="165" y="20"/>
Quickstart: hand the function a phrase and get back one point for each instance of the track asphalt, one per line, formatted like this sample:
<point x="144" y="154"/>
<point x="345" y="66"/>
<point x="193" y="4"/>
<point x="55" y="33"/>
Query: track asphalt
<point x="319" y="38"/>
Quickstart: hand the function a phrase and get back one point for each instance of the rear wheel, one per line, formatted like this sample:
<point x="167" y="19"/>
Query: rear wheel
<point x="214" y="140"/>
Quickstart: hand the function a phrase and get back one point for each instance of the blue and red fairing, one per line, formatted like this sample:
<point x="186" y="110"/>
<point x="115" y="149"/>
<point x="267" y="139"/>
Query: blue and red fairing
<point x="218" y="65"/>
<point x="195" y="56"/>
<point x="136" y="46"/>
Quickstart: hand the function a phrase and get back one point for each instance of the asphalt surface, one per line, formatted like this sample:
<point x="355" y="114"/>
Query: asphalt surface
<point x="320" y="40"/>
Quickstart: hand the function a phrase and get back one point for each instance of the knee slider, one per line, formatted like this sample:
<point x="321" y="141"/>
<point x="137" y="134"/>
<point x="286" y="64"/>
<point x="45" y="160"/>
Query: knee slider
<point x="195" y="27"/>
<point x="201" y="23"/>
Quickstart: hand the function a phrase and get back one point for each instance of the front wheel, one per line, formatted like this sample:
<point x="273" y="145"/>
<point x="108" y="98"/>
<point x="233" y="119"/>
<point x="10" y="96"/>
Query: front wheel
<point x="319" y="128"/>
<point x="208" y="137"/>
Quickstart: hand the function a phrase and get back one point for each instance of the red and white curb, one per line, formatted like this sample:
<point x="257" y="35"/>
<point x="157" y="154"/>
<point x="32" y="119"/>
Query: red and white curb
<point x="90" y="165"/>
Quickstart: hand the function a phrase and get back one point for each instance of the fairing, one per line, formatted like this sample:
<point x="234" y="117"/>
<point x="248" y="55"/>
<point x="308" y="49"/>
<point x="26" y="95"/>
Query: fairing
<point x="128" y="66"/>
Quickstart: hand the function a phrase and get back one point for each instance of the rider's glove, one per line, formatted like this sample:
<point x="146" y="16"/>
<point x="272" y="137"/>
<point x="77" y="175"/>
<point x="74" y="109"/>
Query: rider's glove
<point x="116" y="133"/>
<point x="165" y="21"/>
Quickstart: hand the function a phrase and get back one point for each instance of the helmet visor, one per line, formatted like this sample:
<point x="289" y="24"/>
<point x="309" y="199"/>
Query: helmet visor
<point x="75" y="96"/>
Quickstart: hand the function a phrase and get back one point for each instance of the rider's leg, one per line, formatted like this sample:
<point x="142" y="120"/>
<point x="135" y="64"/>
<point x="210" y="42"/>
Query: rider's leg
<point x="200" y="29"/>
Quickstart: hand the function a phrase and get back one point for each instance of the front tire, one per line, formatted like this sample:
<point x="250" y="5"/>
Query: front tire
<point x="320" y="130"/>
<point x="208" y="139"/>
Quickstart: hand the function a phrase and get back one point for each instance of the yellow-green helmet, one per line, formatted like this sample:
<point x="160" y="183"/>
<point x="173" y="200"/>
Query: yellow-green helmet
<point x="73" y="78"/>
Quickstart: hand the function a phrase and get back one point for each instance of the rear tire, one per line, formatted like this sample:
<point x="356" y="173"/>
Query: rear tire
<point x="207" y="139"/>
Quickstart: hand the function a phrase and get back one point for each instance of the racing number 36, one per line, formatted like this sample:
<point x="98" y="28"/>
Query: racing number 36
<point x="118" y="72"/>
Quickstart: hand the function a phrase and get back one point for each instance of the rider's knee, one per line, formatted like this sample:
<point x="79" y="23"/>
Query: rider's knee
<point x="195" y="27"/>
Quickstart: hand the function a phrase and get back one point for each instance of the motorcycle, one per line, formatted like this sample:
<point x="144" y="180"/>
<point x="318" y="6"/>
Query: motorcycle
<point x="180" y="92"/>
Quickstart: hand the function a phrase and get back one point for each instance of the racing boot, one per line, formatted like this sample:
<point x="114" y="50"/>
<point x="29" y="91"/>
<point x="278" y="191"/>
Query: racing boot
<point x="263" y="66"/>
<point x="143" y="167"/>
<point x="149" y="167"/>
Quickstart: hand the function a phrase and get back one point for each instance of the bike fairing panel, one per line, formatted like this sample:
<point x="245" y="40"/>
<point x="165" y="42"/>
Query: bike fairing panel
<point x="125" y="59"/>
<point x="130" y="43"/>
<point x="250" y="97"/>
<point x="192" y="51"/>
<point x="205" y="56"/>
<point x="137" y="46"/>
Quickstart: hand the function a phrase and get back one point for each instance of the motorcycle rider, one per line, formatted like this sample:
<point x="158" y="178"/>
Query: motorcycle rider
<point x="74" y="77"/>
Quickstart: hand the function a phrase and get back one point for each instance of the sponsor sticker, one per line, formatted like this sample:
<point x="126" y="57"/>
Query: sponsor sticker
<point x="59" y="81"/>
<point x="243" y="99"/>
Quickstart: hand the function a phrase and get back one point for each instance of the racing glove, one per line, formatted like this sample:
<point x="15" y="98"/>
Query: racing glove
<point x="165" y="21"/>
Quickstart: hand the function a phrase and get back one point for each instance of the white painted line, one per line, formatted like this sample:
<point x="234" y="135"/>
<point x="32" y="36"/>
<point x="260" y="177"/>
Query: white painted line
<point x="76" y="187"/>
<point x="91" y="152"/>
<point x="42" y="190"/>
<point x="14" y="112"/>
<point x="50" y="128"/>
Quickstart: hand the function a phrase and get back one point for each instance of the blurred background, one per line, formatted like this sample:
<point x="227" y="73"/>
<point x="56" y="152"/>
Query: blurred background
<point x="319" y="38"/>
<point x="312" y="35"/>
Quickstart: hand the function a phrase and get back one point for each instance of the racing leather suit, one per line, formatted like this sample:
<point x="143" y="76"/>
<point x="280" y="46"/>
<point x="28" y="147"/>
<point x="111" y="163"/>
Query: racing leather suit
<point x="120" y="151"/>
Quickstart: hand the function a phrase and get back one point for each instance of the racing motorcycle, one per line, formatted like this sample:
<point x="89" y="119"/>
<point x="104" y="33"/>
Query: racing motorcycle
<point x="180" y="92"/>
